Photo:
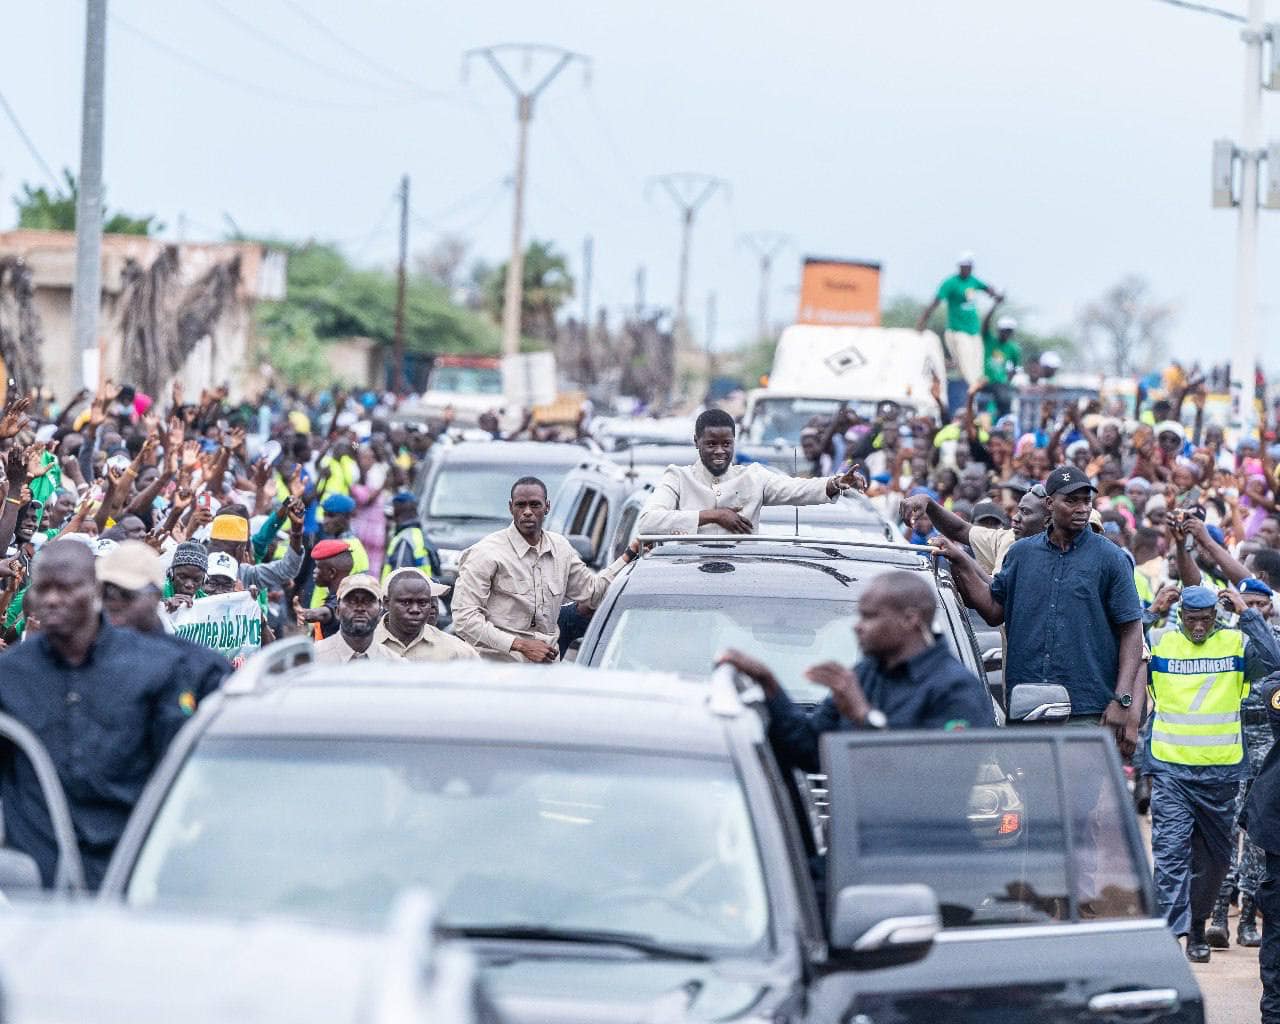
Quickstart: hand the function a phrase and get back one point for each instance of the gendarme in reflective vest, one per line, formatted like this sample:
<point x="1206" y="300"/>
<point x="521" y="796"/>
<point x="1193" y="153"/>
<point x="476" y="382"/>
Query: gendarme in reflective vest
<point x="1197" y="690"/>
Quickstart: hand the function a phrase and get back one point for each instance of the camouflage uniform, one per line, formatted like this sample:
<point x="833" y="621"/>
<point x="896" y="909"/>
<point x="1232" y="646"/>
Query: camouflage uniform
<point x="1247" y="865"/>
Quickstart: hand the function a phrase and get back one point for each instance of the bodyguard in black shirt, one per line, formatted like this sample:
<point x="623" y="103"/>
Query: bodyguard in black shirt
<point x="104" y="701"/>
<point x="907" y="679"/>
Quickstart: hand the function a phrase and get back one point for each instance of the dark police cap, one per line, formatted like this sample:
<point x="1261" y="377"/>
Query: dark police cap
<point x="1067" y="480"/>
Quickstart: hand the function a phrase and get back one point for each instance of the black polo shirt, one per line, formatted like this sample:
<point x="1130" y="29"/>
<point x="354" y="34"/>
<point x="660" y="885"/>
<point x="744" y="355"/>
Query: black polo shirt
<point x="106" y="724"/>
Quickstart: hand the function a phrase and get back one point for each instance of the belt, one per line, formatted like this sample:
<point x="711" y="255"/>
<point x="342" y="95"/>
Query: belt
<point x="1254" y="716"/>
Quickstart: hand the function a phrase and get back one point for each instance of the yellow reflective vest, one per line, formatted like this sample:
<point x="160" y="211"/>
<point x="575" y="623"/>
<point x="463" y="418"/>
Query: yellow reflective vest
<point x="417" y="541"/>
<point x="1197" y="690"/>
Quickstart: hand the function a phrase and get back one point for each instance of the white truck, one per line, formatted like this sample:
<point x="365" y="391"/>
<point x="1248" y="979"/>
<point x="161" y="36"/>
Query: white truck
<point x="817" y="368"/>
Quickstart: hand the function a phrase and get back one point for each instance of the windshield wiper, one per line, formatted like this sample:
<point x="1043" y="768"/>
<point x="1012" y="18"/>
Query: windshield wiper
<point x="464" y="517"/>
<point x="586" y="936"/>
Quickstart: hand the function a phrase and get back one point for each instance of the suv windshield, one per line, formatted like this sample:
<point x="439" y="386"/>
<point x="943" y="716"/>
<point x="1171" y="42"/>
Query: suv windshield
<point x="466" y="380"/>
<point x="502" y="836"/>
<point x="483" y="492"/>
<point x="782" y="419"/>
<point x="641" y="637"/>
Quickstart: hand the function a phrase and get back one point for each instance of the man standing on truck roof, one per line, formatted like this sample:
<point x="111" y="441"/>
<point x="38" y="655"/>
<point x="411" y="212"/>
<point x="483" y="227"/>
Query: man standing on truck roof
<point x="964" y="330"/>
<point x="715" y="496"/>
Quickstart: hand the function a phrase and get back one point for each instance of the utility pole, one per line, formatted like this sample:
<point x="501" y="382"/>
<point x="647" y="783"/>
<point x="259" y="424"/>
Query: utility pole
<point x="689" y="192"/>
<point x="588" y="251"/>
<point x="1244" y="344"/>
<point x="640" y="291"/>
<point x="86" y="296"/>
<point x="711" y="337"/>
<point x="397" y="348"/>
<point x="766" y="245"/>
<point x="561" y="58"/>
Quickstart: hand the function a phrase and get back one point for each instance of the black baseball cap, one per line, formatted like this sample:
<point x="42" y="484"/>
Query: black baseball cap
<point x="1067" y="480"/>
<point x="989" y="510"/>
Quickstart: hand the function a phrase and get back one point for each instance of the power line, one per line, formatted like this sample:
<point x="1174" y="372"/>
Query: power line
<point x="254" y="88"/>
<point x="26" y="141"/>
<point x="1206" y="9"/>
<point x="337" y="38"/>
<point x="267" y="39"/>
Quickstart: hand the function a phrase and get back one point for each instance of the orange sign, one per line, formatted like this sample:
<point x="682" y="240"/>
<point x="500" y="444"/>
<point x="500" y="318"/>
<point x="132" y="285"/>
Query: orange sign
<point x="839" y="293"/>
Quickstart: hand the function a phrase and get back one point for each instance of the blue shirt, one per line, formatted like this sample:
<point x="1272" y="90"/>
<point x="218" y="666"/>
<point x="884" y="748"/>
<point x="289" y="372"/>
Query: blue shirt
<point x="1062" y="611"/>
<point x="930" y="691"/>
<point x="106" y="723"/>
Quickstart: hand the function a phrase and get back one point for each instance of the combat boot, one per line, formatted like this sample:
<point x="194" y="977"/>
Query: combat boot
<point x="1247" y="930"/>
<point x="1197" y="947"/>
<point x="1217" y="935"/>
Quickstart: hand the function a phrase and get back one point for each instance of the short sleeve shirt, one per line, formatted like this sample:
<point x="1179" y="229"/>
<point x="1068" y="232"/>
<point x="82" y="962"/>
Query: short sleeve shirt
<point x="989" y="547"/>
<point x="997" y="357"/>
<point x="1062" y="613"/>
<point x="959" y="294"/>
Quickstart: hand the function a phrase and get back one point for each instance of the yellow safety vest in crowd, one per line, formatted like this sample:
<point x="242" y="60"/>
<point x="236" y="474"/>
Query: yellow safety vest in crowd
<point x="1197" y="690"/>
<point x="343" y="473"/>
<point x="419" y="543"/>
<point x="1145" y="594"/>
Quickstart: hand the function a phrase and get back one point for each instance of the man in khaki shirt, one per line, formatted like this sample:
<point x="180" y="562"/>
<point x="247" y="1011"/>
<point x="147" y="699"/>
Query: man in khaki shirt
<point x="511" y="584"/>
<point x="359" y="605"/>
<point x="409" y="627"/>
<point x="989" y="546"/>
<point x="713" y="496"/>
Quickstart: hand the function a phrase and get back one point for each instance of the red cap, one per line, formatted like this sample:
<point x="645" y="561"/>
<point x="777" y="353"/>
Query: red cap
<point x="328" y="548"/>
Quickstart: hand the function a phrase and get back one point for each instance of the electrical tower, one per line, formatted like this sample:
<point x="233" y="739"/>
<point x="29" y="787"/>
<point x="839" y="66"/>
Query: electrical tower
<point x="766" y="245"/>
<point x="525" y="96"/>
<point x="689" y="192"/>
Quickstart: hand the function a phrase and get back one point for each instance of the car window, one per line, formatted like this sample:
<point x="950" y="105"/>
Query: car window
<point x="578" y="521"/>
<point x="484" y="491"/>
<point x="626" y="527"/>
<point x="501" y="835"/>
<point x="984" y="825"/>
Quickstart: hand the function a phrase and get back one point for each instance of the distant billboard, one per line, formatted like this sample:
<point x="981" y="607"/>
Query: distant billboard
<point x="837" y="293"/>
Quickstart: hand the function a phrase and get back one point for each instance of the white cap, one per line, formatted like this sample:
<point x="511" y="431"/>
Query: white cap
<point x="222" y="564"/>
<point x="104" y="544"/>
<point x="1051" y="359"/>
<point x="1006" y="323"/>
<point x="46" y="431"/>
<point x="966" y="258"/>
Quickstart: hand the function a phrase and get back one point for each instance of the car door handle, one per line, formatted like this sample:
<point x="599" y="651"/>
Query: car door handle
<point x="1135" y="1003"/>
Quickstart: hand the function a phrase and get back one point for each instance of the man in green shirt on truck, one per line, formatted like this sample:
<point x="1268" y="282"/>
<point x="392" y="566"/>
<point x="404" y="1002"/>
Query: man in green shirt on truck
<point x="964" y="334"/>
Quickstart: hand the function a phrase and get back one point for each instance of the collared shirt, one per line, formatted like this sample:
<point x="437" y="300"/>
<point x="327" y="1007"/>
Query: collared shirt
<point x="1062" y="611"/>
<point x="105" y="723"/>
<point x="430" y="645"/>
<point x="507" y="588"/>
<point x="335" y="649"/>
<point x="990" y="547"/>
<point x="684" y="491"/>
<point x="930" y="691"/>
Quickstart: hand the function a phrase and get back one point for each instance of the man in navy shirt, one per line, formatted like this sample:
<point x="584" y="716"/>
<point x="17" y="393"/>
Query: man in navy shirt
<point x="104" y="701"/>
<point x="1071" y="611"/>
<point x="907" y="679"/>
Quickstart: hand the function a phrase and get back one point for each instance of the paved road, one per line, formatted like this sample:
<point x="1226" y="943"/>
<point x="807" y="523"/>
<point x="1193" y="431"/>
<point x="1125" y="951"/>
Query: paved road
<point x="1230" y="980"/>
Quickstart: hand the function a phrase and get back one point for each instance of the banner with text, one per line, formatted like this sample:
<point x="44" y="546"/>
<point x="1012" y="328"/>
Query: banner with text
<point x="229" y="623"/>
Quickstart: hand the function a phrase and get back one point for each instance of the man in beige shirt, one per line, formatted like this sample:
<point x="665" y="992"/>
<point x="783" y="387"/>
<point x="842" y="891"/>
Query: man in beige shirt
<point x="409" y="627"/>
<point x="511" y="584"/>
<point x="989" y="545"/>
<point x="359" y="605"/>
<point x="713" y="496"/>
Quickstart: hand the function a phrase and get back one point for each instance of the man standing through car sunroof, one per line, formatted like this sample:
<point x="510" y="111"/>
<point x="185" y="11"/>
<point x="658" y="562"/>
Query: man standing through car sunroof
<point x="715" y="496"/>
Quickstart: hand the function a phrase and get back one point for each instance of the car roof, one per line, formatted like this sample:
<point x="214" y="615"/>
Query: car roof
<point x="136" y="967"/>
<point x="777" y="567"/>
<point x="504" y="452"/>
<point x="561" y="705"/>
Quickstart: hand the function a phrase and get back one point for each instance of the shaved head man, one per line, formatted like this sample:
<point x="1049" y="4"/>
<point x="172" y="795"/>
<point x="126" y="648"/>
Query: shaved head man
<point x="905" y="680"/>
<point x="105" y="701"/>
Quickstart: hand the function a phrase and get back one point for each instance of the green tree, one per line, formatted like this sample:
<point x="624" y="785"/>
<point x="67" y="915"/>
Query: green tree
<point x="547" y="286"/>
<point x="55" y="210"/>
<point x="327" y="299"/>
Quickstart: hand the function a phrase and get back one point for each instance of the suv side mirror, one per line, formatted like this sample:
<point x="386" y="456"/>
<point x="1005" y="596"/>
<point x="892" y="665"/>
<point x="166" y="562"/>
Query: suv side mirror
<point x="583" y="546"/>
<point x="992" y="659"/>
<point x="883" y="925"/>
<point x="1039" y="702"/>
<point x="18" y="872"/>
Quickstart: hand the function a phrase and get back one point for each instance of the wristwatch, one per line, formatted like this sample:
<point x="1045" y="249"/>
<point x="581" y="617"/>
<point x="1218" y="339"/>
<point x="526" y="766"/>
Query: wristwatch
<point x="1125" y="700"/>
<point x="876" y="719"/>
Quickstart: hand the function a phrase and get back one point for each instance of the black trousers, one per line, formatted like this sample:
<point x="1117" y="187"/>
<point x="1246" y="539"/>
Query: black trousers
<point x="1269" y="954"/>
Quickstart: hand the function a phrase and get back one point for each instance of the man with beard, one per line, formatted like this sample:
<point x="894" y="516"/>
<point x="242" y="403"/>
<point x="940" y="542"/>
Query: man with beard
<point x="359" y="607"/>
<point x="715" y="496"/>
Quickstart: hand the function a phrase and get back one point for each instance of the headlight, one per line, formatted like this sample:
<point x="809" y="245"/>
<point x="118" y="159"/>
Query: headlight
<point x="449" y="558"/>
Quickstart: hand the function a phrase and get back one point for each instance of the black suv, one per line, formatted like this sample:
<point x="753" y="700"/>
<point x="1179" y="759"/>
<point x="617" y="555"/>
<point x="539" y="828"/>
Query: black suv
<point x="622" y="847"/>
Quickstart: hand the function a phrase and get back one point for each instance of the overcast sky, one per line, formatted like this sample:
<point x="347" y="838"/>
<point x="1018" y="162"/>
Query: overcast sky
<point x="1066" y="143"/>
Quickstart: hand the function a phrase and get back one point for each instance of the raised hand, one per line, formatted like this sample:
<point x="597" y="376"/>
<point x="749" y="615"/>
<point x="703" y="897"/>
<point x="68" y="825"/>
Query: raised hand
<point x="15" y="417"/>
<point x="190" y="454"/>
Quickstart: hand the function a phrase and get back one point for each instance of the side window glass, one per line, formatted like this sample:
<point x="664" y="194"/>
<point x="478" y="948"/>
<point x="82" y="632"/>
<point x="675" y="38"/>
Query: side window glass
<point x="577" y="524"/>
<point x="1108" y="883"/>
<point x="599" y="520"/>
<point x="626" y="527"/>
